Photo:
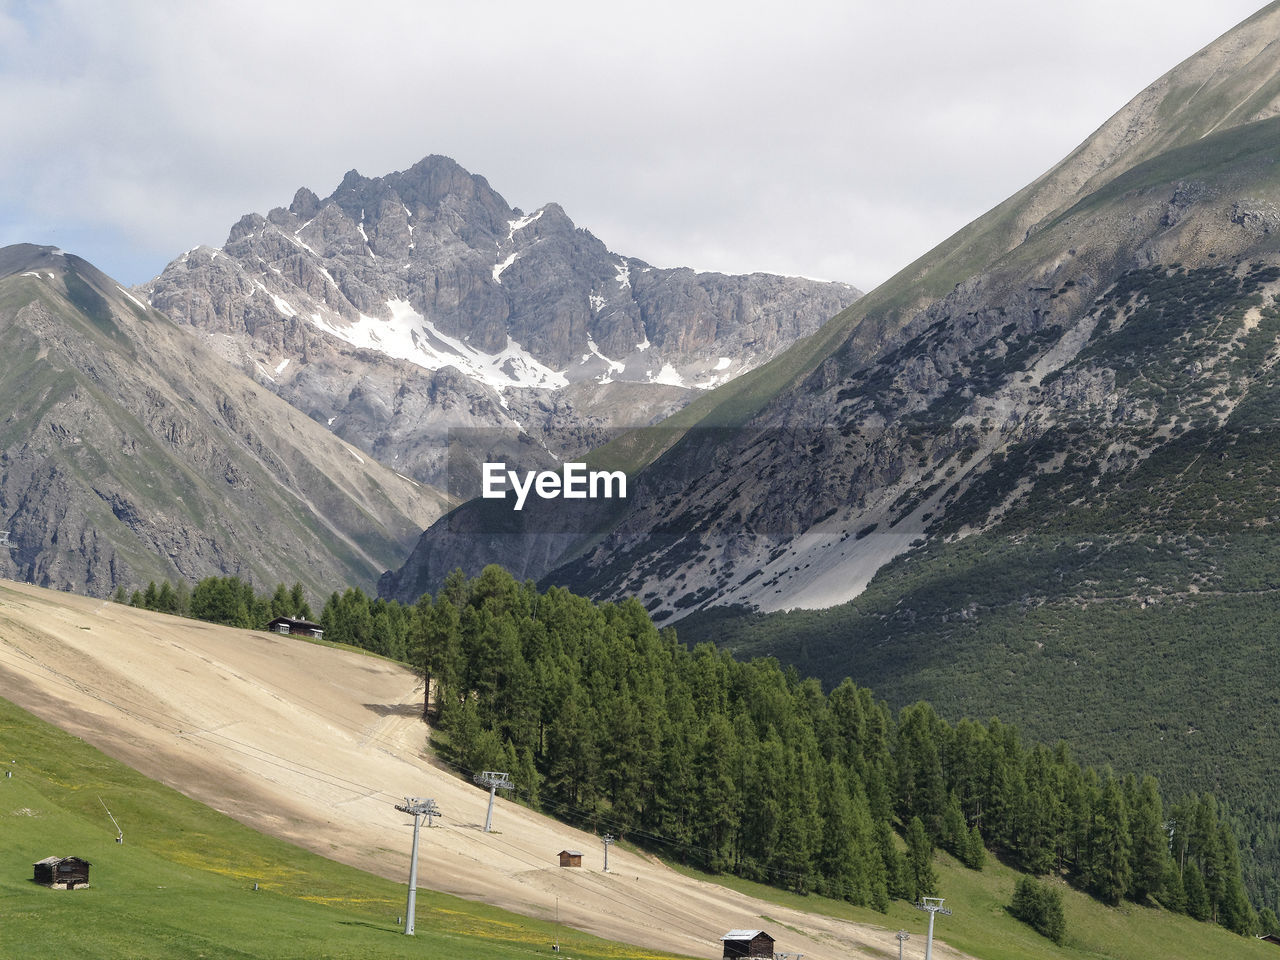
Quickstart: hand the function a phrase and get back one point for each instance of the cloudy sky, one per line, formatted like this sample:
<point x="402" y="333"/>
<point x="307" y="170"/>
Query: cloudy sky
<point x="838" y="140"/>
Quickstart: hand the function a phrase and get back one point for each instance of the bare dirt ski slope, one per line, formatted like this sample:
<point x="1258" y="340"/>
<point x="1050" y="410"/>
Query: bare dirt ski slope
<point x="316" y="745"/>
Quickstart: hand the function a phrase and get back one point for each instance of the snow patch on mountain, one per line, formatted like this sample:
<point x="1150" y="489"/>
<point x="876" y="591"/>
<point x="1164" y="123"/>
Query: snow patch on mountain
<point x="668" y="375"/>
<point x="499" y="267"/>
<point x="611" y="366"/>
<point x="283" y="306"/>
<point x="408" y="335"/>
<point x="129" y="295"/>
<point x="515" y="226"/>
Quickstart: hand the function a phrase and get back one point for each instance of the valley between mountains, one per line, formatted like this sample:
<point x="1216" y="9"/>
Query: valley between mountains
<point x="317" y="745"/>
<point x="1032" y="476"/>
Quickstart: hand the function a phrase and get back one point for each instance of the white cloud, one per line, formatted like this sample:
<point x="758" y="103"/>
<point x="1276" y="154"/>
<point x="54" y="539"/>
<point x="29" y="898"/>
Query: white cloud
<point x="837" y="139"/>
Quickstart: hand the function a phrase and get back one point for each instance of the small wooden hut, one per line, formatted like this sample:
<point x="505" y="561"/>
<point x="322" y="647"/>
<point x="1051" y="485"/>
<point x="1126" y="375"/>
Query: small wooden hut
<point x="62" y="873"/>
<point x="748" y="943"/>
<point x="297" y="628"/>
<point x="570" y="858"/>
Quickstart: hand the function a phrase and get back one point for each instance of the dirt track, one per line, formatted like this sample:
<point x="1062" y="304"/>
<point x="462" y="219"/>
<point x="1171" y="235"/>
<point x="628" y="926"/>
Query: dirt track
<point x="316" y="745"/>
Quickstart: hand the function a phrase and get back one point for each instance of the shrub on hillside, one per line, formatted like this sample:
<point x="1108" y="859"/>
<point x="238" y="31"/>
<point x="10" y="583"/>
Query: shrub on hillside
<point x="1040" y="905"/>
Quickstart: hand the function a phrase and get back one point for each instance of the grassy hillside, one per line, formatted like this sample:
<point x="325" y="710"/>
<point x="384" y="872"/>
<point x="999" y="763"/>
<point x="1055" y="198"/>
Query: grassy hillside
<point x="982" y="926"/>
<point x="182" y="883"/>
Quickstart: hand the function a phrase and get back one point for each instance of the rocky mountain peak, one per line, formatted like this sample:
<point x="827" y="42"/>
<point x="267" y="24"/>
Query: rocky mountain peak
<point x="433" y="188"/>
<point x="305" y="204"/>
<point x="393" y="278"/>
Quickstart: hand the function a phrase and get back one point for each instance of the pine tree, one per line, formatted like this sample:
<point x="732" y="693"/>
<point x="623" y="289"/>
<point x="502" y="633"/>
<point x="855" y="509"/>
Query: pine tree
<point x="975" y="856"/>
<point x="1267" y="922"/>
<point x="1150" y="846"/>
<point x="762" y="817"/>
<point x="716" y="791"/>
<point x="868" y="872"/>
<point x="166" y="599"/>
<point x="1035" y="828"/>
<point x="298" y="602"/>
<point x="921" y="786"/>
<point x="462" y="723"/>
<point x="1110" y="874"/>
<point x="920" y="860"/>
<point x="1235" y="912"/>
<point x="800" y="828"/>
<point x="281" y="604"/>
<point x="1173" y="896"/>
<point x="1205" y="844"/>
<point x="955" y="833"/>
<point x="897" y="877"/>
<point x="434" y="648"/>
<point x="525" y="774"/>
<point x="573" y="755"/>
<point x="182" y="598"/>
<point x="1197" y="897"/>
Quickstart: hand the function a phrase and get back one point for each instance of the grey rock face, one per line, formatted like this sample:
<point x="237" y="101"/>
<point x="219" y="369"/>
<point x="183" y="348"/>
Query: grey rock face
<point x="927" y="437"/>
<point x="353" y="308"/>
<point x="129" y="452"/>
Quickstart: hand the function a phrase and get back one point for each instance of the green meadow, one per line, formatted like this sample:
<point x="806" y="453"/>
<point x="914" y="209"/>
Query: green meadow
<point x="980" y="924"/>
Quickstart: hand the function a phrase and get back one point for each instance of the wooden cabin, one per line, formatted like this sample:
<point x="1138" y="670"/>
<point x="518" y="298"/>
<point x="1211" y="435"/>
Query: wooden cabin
<point x="296" y="628"/>
<point x="748" y="943"/>
<point x="62" y="873"/>
<point x="570" y="858"/>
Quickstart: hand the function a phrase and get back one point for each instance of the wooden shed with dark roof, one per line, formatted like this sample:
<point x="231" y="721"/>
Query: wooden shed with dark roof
<point x="295" y="627"/>
<point x="62" y="873"/>
<point x="748" y="943"/>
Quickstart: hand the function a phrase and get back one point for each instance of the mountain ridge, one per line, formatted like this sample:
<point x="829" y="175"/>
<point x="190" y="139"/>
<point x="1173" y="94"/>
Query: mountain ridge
<point x="130" y="453"/>
<point x="1043" y="230"/>
<point x="354" y="308"/>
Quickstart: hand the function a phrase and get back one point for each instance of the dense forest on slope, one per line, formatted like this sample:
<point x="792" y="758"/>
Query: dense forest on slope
<point x="748" y="768"/>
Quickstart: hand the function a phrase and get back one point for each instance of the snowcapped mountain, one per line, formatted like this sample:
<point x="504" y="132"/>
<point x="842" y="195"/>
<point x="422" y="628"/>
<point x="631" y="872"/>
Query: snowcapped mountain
<point x="404" y="306"/>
